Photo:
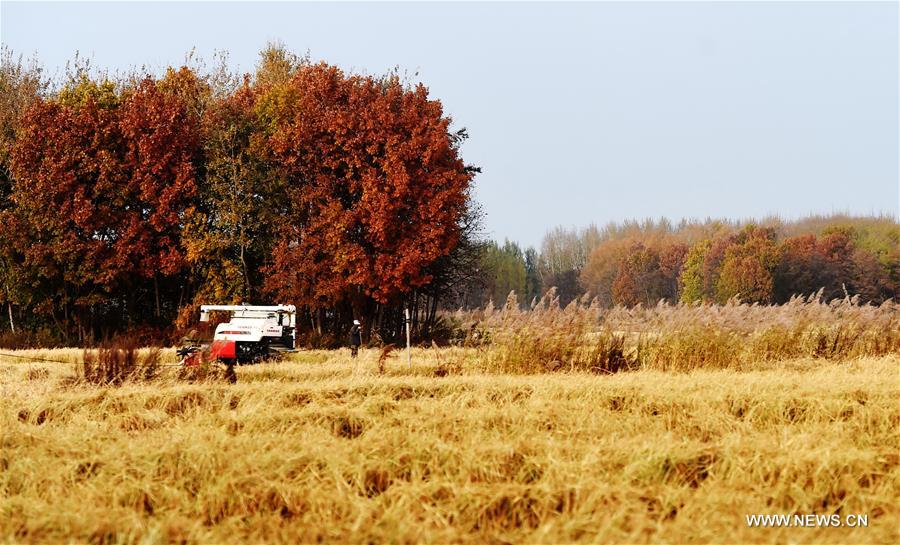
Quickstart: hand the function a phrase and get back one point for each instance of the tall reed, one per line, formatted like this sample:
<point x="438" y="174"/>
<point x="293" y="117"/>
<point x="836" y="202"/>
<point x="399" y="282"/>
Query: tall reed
<point x="583" y="336"/>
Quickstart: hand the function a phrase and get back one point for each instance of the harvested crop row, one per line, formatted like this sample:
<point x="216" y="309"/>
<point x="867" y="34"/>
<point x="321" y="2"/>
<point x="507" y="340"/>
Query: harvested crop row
<point x="334" y="451"/>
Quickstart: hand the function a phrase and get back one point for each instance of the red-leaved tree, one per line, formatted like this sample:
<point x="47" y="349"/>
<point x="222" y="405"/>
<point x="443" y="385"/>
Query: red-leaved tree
<point x="101" y="181"/>
<point x="375" y="185"/>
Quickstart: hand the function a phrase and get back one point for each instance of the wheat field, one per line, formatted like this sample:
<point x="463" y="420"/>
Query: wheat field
<point x="324" y="448"/>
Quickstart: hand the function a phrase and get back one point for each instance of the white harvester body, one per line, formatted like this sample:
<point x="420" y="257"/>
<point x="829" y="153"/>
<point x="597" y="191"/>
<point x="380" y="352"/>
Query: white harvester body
<point x="253" y="332"/>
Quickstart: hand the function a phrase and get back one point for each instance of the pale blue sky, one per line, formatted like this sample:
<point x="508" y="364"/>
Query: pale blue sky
<point x="579" y="113"/>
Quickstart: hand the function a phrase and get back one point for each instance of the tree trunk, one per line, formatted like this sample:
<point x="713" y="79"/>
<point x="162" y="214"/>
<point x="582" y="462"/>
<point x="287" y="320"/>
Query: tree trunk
<point x="361" y="307"/>
<point x="156" y="292"/>
<point x="432" y="314"/>
<point x="245" y="290"/>
<point x="62" y="330"/>
<point x="12" y="325"/>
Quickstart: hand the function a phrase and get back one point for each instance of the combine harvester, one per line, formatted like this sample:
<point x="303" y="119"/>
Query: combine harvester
<point x="252" y="334"/>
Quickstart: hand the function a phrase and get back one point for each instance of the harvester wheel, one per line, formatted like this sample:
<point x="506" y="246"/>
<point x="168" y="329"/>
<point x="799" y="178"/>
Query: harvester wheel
<point x="251" y="352"/>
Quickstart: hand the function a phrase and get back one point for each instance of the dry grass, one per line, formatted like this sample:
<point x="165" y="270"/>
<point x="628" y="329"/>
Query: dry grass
<point x="583" y="336"/>
<point x="324" y="448"/>
<point x="115" y="363"/>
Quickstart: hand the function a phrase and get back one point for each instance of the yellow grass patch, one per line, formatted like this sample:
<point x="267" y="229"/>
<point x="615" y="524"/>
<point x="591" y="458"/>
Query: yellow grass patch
<point x="322" y="447"/>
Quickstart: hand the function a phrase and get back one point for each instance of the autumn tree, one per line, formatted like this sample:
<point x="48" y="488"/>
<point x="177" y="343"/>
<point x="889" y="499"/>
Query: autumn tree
<point x="803" y="269"/>
<point x="671" y="261"/>
<point x="230" y="235"/>
<point x="231" y="230"/>
<point x="375" y="189"/>
<point x="20" y="85"/>
<point x="638" y="280"/>
<point x="101" y="180"/>
<point x="870" y="281"/>
<point x="833" y="263"/>
<point x="161" y="136"/>
<point x="459" y="279"/>
<point x="713" y="259"/>
<point x="648" y="274"/>
<point x="602" y="268"/>
<point x="747" y="266"/>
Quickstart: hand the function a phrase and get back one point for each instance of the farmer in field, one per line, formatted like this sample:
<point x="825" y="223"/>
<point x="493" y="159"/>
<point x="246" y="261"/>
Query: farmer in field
<point x="355" y="338"/>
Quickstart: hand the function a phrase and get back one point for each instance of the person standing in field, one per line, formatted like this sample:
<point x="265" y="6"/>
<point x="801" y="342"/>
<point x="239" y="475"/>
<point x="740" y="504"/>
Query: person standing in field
<point x="355" y="338"/>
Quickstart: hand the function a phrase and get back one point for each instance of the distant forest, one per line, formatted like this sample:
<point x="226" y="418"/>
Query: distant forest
<point x="126" y="201"/>
<point x="709" y="261"/>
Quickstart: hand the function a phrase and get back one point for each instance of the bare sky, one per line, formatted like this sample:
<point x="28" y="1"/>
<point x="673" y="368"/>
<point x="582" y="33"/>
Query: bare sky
<point x="579" y="113"/>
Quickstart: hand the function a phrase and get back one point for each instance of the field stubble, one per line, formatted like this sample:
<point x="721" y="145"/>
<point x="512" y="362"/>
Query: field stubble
<point x="321" y="447"/>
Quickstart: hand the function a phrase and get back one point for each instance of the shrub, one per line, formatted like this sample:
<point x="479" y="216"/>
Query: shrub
<point x="24" y="339"/>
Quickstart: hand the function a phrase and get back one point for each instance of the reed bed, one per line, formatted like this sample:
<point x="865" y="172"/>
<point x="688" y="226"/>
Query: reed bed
<point x="583" y="336"/>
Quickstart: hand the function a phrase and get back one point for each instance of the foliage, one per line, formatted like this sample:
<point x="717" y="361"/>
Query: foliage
<point x="691" y="279"/>
<point x="375" y="189"/>
<point x="504" y="268"/>
<point x="647" y="275"/>
<point x="117" y="175"/>
<point x="563" y="255"/>
<point x="746" y="270"/>
<point x="232" y="228"/>
<point x="757" y="262"/>
<point x="602" y="268"/>
<point x="20" y="85"/>
<point x="128" y="201"/>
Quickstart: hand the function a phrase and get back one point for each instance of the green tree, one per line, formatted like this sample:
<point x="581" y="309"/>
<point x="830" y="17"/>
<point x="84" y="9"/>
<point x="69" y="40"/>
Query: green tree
<point x="532" y="276"/>
<point x="507" y="273"/>
<point x="691" y="279"/>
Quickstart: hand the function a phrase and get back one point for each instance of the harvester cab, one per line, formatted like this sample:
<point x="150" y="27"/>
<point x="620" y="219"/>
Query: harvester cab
<point x="253" y="333"/>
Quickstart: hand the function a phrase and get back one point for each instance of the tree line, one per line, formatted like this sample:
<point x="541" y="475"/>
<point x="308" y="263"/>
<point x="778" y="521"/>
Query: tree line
<point x="127" y="201"/>
<point x="710" y="261"/>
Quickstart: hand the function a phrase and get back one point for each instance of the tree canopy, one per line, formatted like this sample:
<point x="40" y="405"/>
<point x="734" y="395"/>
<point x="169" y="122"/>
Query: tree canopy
<point x="126" y="202"/>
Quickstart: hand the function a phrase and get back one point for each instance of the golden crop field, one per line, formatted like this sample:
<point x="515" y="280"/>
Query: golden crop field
<point x="322" y="448"/>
